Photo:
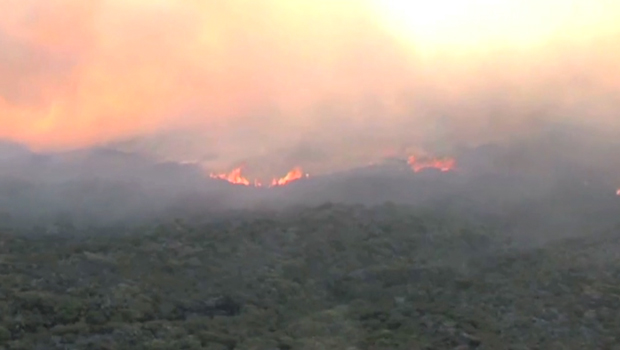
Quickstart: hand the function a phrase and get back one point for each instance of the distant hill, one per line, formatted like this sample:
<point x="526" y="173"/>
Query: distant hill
<point x="533" y="185"/>
<point x="95" y="184"/>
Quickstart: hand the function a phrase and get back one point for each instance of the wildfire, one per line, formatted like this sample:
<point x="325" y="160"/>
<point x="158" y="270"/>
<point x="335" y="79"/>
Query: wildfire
<point x="443" y="164"/>
<point x="291" y="176"/>
<point x="235" y="177"/>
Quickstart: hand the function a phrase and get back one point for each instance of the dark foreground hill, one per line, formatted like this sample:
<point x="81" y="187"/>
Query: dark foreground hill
<point x="329" y="277"/>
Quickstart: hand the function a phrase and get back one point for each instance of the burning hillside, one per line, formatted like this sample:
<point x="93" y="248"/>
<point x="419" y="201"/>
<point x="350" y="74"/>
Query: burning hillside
<point x="235" y="177"/>
<point x="444" y="164"/>
<point x="293" y="175"/>
<point x="415" y="163"/>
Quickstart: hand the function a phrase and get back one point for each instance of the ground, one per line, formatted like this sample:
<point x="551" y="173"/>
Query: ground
<point x="329" y="277"/>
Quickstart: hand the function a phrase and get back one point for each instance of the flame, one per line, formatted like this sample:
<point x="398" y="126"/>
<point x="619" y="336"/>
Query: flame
<point x="291" y="176"/>
<point x="443" y="164"/>
<point x="618" y="192"/>
<point x="235" y="177"/>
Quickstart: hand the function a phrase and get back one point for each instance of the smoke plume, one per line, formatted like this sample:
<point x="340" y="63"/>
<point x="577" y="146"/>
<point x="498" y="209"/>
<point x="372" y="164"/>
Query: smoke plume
<point x="321" y="84"/>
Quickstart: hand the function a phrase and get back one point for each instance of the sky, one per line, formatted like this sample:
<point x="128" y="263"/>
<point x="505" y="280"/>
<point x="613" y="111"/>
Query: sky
<point x="323" y="84"/>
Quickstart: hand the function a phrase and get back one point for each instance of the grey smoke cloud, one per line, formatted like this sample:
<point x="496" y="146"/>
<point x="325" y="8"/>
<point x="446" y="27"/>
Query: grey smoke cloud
<point x="274" y="84"/>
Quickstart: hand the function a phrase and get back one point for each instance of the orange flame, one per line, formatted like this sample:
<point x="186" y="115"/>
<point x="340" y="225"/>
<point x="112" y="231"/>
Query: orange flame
<point x="291" y="176"/>
<point x="443" y="164"/>
<point x="234" y="177"/>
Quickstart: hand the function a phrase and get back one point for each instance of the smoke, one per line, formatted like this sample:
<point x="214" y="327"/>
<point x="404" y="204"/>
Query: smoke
<point x="277" y="83"/>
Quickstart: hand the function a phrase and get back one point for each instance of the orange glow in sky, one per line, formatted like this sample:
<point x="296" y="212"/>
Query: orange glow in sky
<point x="253" y="78"/>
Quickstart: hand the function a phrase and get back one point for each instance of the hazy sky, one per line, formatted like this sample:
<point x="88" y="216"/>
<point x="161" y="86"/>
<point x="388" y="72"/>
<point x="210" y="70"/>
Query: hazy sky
<point x="317" y="83"/>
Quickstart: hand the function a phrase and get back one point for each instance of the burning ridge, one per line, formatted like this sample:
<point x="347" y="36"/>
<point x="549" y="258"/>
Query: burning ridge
<point x="415" y="163"/>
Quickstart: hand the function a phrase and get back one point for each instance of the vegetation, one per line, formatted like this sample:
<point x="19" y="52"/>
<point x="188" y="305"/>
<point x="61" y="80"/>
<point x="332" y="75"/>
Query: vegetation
<point x="329" y="277"/>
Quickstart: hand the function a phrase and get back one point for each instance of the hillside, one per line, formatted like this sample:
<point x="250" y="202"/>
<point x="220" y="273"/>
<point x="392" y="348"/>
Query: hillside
<point x="327" y="277"/>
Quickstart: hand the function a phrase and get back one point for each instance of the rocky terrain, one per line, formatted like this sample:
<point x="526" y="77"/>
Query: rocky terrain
<point x="327" y="277"/>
